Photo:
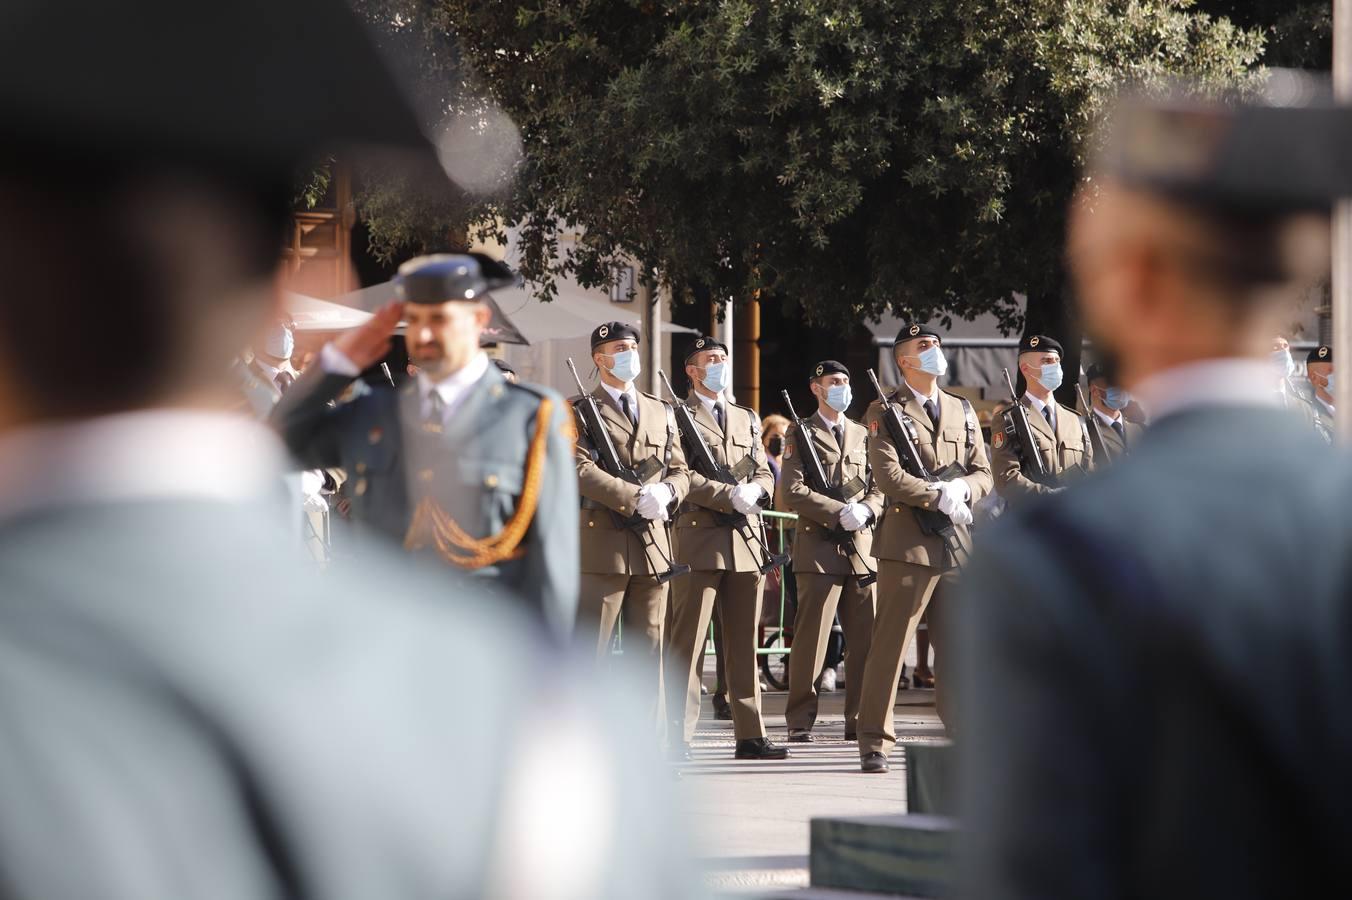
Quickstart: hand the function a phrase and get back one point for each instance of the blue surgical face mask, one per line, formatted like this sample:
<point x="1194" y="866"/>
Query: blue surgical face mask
<point x="1050" y="375"/>
<point x="838" y="397"/>
<point x="280" y="343"/>
<point x="1284" y="363"/>
<point x="933" y="361"/>
<point x="1328" y="387"/>
<point x="1116" y="398"/>
<point x="625" y="366"/>
<point x="716" y="377"/>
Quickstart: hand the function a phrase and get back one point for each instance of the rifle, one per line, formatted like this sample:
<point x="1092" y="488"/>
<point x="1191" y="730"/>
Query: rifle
<point x="609" y="461"/>
<point x="1095" y="430"/>
<point x="1033" y="465"/>
<point x="816" y="476"/>
<point x="901" y="430"/>
<point x="702" y="460"/>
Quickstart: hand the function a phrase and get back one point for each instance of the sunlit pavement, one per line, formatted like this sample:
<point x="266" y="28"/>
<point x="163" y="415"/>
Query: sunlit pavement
<point x="750" y="819"/>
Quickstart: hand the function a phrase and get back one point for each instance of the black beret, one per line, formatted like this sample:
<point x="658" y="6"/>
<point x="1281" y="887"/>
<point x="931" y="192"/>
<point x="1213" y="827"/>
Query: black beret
<point x="1321" y="354"/>
<point x="246" y="93"/>
<point x="829" y="367"/>
<point x="503" y="366"/>
<point x="1039" y="343"/>
<point x="450" y="276"/>
<point x="1096" y="372"/>
<point x="912" y="330"/>
<point x="705" y="343"/>
<point x="613" y="331"/>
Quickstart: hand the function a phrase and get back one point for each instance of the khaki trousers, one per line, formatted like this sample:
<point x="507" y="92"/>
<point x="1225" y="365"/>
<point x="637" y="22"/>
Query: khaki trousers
<point x="602" y="599"/>
<point x="738" y="596"/>
<point x="819" y="597"/>
<point x="904" y="591"/>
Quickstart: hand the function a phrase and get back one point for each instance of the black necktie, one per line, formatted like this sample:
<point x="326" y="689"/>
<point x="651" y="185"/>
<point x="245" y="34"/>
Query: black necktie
<point x="283" y="381"/>
<point x="718" y="416"/>
<point x="932" y="412"/>
<point x="436" y="407"/>
<point x="840" y="436"/>
<point x="629" y="412"/>
<point x="1121" y="432"/>
<point x="1047" y="412"/>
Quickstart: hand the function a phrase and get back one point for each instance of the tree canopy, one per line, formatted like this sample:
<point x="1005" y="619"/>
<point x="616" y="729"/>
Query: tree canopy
<point x="844" y="157"/>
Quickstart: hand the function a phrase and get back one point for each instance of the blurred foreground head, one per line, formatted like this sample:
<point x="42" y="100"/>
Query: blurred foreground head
<point x="1201" y="223"/>
<point x="145" y="182"/>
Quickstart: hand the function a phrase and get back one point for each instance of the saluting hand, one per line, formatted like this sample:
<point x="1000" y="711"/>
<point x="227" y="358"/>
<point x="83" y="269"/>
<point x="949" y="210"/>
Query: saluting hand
<point x="367" y="345"/>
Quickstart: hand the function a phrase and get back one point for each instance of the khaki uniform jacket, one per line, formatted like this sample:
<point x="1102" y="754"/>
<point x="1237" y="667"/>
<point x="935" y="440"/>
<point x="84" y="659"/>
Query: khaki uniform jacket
<point x="814" y="550"/>
<point x="1065" y="454"/>
<point x="609" y="548"/>
<point x="1113" y="444"/>
<point x="957" y="439"/>
<point x="701" y="542"/>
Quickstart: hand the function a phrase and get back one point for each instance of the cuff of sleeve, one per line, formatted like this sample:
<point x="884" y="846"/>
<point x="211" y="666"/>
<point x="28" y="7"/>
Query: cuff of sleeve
<point x="335" y="362"/>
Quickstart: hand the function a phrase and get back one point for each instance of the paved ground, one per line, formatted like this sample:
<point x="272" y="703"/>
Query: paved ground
<point x="750" y="819"/>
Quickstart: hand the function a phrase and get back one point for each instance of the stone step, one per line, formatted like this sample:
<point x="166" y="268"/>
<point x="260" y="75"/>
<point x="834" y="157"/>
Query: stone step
<point x="930" y="774"/>
<point x="908" y="855"/>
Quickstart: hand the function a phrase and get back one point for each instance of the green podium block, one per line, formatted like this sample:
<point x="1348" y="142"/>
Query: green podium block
<point x="908" y="855"/>
<point x="931" y="770"/>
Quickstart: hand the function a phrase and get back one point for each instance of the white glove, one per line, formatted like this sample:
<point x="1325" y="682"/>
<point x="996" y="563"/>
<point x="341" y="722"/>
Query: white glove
<point x="654" y="501"/>
<point x="746" y="499"/>
<point x="961" y="515"/>
<point x="952" y="494"/>
<point x="853" y="516"/>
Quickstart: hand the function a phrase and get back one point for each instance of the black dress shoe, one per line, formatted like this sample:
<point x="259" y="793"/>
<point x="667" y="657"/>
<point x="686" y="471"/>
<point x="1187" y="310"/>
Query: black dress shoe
<point x="873" y="763"/>
<point x="760" y="748"/>
<point x="851" y="736"/>
<point x="800" y="736"/>
<point x="722" y="711"/>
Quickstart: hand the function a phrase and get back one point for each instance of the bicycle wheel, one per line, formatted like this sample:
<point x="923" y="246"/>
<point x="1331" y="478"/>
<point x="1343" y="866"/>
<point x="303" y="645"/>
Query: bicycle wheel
<point x="775" y="666"/>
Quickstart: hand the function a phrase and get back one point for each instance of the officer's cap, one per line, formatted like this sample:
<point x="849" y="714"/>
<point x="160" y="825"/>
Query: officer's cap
<point x="1039" y="343"/>
<point x="614" y="331"/>
<point x="704" y="343"/>
<point x="1321" y="354"/>
<point x="910" y="331"/>
<point x="1287" y="151"/>
<point x="829" y="367"/>
<point x="248" y="87"/>
<point x="443" y="277"/>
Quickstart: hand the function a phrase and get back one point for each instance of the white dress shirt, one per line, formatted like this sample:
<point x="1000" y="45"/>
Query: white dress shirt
<point x="1040" y="406"/>
<point x="453" y="387"/>
<point x="626" y="391"/>
<point x="166" y="454"/>
<point x="1212" y="382"/>
<point x="710" y="401"/>
<point x="1107" y="419"/>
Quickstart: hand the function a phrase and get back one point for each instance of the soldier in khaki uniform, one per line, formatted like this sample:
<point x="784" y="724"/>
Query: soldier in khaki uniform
<point x="830" y="571"/>
<point x="1061" y="435"/>
<point x="620" y="568"/>
<point x="1108" y="401"/>
<point x="725" y="561"/>
<point x="911" y="564"/>
<point x="1319" y="370"/>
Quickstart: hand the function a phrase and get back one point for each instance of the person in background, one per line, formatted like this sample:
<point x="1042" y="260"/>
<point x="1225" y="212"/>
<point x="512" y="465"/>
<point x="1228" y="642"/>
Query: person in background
<point x="1108" y="402"/>
<point x="831" y="571"/>
<point x="773" y="429"/>
<point x="457" y="464"/>
<point x="1319" y="370"/>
